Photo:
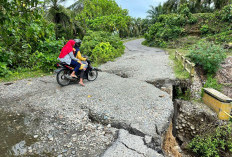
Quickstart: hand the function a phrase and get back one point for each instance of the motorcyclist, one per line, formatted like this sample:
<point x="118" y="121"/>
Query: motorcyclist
<point x="67" y="56"/>
<point x="77" y="52"/>
<point x="78" y="55"/>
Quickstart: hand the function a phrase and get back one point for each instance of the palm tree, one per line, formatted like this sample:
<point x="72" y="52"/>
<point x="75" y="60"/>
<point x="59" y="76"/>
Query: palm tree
<point x="155" y="11"/>
<point x="171" y="6"/>
<point x="61" y="16"/>
<point x="77" y="6"/>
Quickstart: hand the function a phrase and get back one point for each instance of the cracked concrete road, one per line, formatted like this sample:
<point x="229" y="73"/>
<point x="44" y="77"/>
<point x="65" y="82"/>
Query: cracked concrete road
<point x="141" y="63"/>
<point x="84" y="121"/>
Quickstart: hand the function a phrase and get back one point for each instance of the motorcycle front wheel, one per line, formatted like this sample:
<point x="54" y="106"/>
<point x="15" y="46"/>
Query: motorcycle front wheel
<point x="92" y="74"/>
<point x="61" y="77"/>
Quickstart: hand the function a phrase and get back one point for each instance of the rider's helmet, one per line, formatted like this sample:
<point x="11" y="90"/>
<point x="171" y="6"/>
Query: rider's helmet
<point x="77" y="42"/>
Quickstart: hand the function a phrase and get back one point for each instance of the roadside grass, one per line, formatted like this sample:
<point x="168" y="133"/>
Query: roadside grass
<point x="229" y="53"/>
<point x="23" y="74"/>
<point x="178" y="68"/>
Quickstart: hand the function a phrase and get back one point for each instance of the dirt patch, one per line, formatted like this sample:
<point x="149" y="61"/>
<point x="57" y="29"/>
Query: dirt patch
<point x="170" y="145"/>
<point x="185" y="42"/>
<point x="224" y="76"/>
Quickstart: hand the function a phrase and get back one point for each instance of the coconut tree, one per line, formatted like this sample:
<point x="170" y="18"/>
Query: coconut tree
<point x="171" y="6"/>
<point x="154" y="13"/>
<point x="59" y="15"/>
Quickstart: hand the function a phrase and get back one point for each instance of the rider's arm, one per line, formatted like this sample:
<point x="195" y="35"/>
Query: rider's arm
<point x="80" y="57"/>
<point x="73" y="58"/>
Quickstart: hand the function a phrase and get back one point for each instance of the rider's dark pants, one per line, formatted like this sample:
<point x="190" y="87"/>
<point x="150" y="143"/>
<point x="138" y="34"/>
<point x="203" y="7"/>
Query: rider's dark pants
<point x="76" y="65"/>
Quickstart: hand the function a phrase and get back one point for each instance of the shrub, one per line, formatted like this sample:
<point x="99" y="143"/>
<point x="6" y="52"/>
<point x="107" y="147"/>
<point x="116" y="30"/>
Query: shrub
<point x="51" y="46"/>
<point x="4" y="71"/>
<point x="102" y="41"/>
<point x="172" y="19"/>
<point x="204" y="29"/>
<point x="184" y="9"/>
<point x="103" y="52"/>
<point x="45" y="62"/>
<point x="212" y="83"/>
<point x="224" y="37"/>
<point x="226" y="13"/>
<point x="207" y="55"/>
<point x="167" y="28"/>
<point x="213" y="144"/>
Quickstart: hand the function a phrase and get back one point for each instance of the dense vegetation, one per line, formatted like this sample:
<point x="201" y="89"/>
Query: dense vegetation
<point x="217" y="142"/>
<point x="32" y="32"/>
<point x="200" y="27"/>
<point x="102" y="46"/>
<point x="24" y="35"/>
<point x="214" y="26"/>
<point x="207" y="55"/>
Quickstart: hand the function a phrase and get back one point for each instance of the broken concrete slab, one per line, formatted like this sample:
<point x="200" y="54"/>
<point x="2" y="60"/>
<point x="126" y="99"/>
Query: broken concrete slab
<point x="130" y="145"/>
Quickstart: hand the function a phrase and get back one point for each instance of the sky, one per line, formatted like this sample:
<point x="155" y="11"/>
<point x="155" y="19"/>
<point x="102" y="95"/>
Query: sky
<point x="137" y="8"/>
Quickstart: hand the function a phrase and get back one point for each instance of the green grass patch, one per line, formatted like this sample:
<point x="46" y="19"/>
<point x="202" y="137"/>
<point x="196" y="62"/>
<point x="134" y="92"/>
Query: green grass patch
<point x="177" y="67"/>
<point x="23" y="74"/>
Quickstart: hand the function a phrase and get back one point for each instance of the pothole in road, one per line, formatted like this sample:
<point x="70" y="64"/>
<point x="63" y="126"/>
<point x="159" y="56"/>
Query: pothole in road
<point x="16" y="134"/>
<point x="123" y="75"/>
<point x="14" y="140"/>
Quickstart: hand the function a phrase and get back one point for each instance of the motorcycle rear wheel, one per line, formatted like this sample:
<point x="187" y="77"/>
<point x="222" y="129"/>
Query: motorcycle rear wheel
<point x="61" y="77"/>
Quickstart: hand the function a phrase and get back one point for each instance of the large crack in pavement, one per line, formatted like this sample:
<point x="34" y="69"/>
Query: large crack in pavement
<point x="95" y="117"/>
<point x="132" y="149"/>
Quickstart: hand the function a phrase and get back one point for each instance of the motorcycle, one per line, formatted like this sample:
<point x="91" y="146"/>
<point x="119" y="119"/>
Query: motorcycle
<point x="63" y="74"/>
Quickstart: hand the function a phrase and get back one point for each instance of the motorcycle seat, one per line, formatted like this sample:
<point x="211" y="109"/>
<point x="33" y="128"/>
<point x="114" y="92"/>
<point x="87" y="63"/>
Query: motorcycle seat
<point x="66" y="65"/>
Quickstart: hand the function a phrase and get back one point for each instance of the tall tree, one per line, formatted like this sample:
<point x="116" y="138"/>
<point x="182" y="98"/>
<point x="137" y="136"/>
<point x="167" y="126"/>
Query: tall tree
<point x="59" y="15"/>
<point x="154" y="12"/>
<point x="170" y="6"/>
<point x="102" y="14"/>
